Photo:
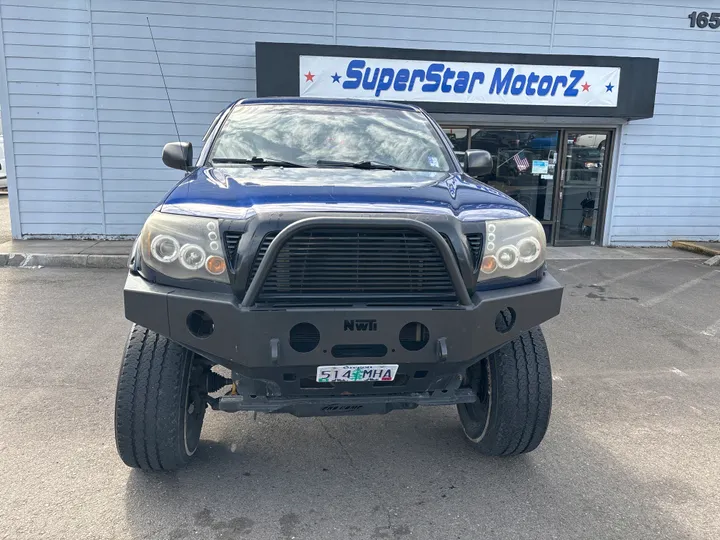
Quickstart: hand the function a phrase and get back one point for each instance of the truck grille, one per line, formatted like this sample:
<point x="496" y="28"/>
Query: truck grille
<point x="344" y="265"/>
<point x="232" y="239"/>
<point x="476" y="244"/>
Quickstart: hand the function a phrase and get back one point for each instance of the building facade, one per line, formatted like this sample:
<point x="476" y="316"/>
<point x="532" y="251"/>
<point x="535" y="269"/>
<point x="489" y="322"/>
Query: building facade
<point x="85" y="110"/>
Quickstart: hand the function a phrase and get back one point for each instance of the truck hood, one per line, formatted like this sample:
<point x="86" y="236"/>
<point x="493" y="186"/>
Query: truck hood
<point x="240" y="192"/>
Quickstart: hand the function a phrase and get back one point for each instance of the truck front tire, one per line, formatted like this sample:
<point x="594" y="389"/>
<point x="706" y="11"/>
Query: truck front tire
<point x="159" y="410"/>
<point x="514" y="389"/>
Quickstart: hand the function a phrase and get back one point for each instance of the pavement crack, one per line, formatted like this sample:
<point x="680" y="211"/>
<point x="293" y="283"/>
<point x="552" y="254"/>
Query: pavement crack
<point x="369" y="485"/>
<point x="338" y="441"/>
<point x="594" y="296"/>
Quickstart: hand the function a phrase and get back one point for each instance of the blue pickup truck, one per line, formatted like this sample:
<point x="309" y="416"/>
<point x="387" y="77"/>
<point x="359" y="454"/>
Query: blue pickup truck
<point x="332" y="257"/>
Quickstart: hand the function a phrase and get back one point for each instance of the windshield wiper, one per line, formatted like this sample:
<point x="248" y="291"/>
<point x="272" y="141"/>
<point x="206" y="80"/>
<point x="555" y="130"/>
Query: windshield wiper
<point x="359" y="164"/>
<point x="258" y="161"/>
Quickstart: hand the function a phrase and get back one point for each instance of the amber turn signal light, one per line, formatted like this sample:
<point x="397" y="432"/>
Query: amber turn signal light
<point x="489" y="264"/>
<point x="215" y="265"/>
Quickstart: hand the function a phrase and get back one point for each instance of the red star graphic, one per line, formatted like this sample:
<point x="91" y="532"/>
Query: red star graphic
<point x="586" y="87"/>
<point x="309" y="77"/>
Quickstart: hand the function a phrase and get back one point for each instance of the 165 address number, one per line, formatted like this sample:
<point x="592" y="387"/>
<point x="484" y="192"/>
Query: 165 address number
<point x="704" y="20"/>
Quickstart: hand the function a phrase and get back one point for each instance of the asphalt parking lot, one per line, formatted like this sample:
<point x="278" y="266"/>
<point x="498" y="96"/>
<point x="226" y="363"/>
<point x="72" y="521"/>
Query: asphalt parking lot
<point x="632" y="449"/>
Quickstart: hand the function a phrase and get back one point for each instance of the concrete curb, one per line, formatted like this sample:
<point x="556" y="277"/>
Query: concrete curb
<point x="62" y="260"/>
<point x="696" y="248"/>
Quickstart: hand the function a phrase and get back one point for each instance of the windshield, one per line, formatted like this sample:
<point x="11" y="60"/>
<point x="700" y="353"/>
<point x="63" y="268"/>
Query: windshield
<point x="367" y="137"/>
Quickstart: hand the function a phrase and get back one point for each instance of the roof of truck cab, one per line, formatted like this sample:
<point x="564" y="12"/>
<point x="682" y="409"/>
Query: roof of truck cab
<point x="328" y="101"/>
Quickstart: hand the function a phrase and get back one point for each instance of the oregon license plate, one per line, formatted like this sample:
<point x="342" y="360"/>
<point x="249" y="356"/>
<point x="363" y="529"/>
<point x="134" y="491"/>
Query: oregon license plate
<point x="373" y="372"/>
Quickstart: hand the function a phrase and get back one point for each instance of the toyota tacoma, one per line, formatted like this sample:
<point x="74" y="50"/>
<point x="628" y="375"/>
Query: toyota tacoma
<point x="333" y="257"/>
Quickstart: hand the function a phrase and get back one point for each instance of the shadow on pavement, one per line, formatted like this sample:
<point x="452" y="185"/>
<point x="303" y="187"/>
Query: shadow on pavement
<point x="404" y="475"/>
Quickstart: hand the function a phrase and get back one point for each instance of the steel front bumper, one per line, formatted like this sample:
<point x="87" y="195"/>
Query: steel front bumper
<point x="253" y="340"/>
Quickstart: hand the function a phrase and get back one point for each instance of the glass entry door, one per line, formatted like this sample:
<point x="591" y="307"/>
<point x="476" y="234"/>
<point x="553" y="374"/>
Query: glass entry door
<point x="559" y="175"/>
<point x="524" y="164"/>
<point x="582" y="187"/>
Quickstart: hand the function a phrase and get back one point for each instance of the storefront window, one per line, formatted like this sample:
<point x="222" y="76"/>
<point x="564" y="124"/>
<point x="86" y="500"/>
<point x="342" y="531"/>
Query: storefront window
<point x="524" y="165"/>
<point x="459" y="139"/>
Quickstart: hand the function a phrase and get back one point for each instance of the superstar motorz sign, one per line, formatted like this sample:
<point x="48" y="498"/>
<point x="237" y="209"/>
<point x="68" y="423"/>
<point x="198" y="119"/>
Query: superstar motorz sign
<point x="458" y="82"/>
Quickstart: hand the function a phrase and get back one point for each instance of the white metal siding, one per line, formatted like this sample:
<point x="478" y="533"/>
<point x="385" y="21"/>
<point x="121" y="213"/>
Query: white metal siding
<point x="52" y="116"/>
<point x="667" y="184"/>
<point x="207" y="51"/>
<point x="517" y="26"/>
<point x="88" y="124"/>
<point x="85" y="175"/>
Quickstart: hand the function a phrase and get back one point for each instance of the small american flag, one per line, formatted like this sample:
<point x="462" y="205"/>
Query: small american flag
<point x="521" y="161"/>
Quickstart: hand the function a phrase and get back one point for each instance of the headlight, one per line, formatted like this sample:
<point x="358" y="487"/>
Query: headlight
<point x="514" y="248"/>
<point x="183" y="247"/>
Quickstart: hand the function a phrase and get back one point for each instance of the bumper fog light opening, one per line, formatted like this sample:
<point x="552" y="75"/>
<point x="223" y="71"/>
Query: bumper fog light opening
<point x="200" y="324"/>
<point x="505" y="320"/>
<point x="304" y="337"/>
<point x="414" y="336"/>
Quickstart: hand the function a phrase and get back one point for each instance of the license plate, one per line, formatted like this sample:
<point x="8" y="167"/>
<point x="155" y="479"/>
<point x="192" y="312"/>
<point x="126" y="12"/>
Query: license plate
<point x="373" y="372"/>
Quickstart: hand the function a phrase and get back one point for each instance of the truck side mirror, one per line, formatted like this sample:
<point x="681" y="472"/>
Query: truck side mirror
<point x="478" y="162"/>
<point x="178" y="155"/>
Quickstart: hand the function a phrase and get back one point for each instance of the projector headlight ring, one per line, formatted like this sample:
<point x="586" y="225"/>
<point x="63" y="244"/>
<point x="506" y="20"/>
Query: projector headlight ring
<point x="183" y="247"/>
<point x="514" y="248"/>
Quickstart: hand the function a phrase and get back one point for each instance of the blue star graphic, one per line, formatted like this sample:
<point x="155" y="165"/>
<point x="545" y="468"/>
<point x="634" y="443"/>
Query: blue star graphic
<point x="609" y="87"/>
<point x="336" y="78"/>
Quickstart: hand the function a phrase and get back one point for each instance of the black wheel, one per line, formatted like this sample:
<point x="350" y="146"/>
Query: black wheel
<point x="159" y="407"/>
<point x="514" y="389"/>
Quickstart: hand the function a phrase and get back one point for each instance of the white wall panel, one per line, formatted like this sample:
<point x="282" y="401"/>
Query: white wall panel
<point x="667" y="164"/>
<point x="51" y="112"/>
<point x="207" y="50"/>
<point x="88" y="113"/>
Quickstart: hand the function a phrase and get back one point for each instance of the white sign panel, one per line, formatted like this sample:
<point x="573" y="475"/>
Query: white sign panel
<point x="458" y="82"/>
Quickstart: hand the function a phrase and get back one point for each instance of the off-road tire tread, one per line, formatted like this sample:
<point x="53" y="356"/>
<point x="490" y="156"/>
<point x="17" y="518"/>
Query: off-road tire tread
<point x="150" y="401"/>
<point x="523" y="401"/>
